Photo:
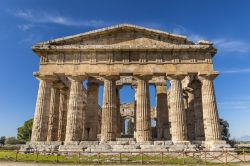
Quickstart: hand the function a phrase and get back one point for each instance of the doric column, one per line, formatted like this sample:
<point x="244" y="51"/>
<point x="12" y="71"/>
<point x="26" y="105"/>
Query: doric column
<point x="74" y="126"/>
<point x="210" y="113"/>
<point x="177" y="111"/>
<point x="91" y="116"/>
<point x="53" y="114"/>
<point x="109" y="111"/>
<point x="162" y="114"/>
<point x="119" y="120"/>
<point x="41" y="117"/>
<point x="84" y="118"/>
<point x="63" y="104"/>
<point x="190" y="116"/>
<point x="198" y="113"/>
<point x="143" y="119"/>
<point x="134" y="86"/>
<point x="123" y="126"/>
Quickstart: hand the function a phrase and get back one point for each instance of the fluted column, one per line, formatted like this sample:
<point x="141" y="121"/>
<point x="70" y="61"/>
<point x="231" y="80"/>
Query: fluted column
<point x="41" y="117"/>
<point x="198" y="113"/>
<point x="91" y="116"/>
<point x="119" y="120"/>
<point x="123" y="126"/>
<point x="210" y="113"/>
<point x="162" y="114"/>
<point x="109" y="112"/>
<point x="62" y="114"/>
<point x="53" y="114"/>
<point x="143" y="119"/>
<point x="74" y="126"/>
<point x="134" y="86"/>
<point x="177" y="111"/>
<point x="190" y="116"/>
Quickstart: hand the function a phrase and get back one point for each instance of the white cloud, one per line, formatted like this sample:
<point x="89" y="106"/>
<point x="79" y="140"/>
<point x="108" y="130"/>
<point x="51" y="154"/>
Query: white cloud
<point x="35" y="17"/>
<point x="236" y="71"/>
<point x="232" y="45"/>
<point x="31" y="39"/>
<point x="25" y="27"/>
<point x="54" y="18"/>
<point x="178" y="29"/>
<point x="235" y="105"/>
<point x="223" y="44"/>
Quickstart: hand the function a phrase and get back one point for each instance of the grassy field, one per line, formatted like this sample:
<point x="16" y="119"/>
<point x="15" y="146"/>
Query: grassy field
<point x="8" y="155"/>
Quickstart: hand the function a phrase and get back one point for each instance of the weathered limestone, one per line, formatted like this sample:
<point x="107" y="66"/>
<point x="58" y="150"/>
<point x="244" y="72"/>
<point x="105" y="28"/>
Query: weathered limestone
<point x="123" y="125"/>
<point x="139" y="56"/>
<point x="143" y="120"/>
<point x="63" y="114"/>
<point x="198" y="111"/>
<point x="119" y="118"/>
<point x="134" y="86"/>
<point x="162" y="123"/>
<point x="190" y="116"/>
<point x="53" y="114"/>
<point x="91" y="115"/>
<point x="210" y="113"/>
<point x="178" y="117"/>
<point x="41" y="117"/>
<point x="109" y="112"/>
<point x="74" y="126"/>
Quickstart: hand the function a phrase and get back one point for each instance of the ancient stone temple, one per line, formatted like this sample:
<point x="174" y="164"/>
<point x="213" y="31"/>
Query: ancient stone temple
<point x="68" y="116"/>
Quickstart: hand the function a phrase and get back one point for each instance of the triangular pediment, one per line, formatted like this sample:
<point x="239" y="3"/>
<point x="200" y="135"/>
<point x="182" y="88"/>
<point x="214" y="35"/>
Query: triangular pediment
<point x="124" y="34"/>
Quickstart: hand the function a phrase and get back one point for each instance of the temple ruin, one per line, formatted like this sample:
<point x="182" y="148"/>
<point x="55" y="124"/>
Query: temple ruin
<point x="68" y="115"/>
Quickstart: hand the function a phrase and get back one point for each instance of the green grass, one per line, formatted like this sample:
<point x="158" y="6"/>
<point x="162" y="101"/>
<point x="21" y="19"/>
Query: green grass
<point x="9" y="155"/>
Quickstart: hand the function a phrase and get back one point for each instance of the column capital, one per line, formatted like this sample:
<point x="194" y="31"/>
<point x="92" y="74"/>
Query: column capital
<point x="75" y="77"/>
<point x="111" y="77"/>
<point x="134" y="83"/>
<point x="143" y="76"/>
<point x="47" y="77"/>
<point x="176" y="76"/>
<point x="159" y="81"/>
<point x="208" y="76"/>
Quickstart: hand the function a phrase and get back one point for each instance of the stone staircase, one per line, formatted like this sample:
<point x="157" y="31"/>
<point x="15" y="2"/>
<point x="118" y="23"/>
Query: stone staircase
<point x="120" y="145"/>
<point x="127" y="145"/>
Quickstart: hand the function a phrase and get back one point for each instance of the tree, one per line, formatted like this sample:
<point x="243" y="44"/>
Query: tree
<point x="225" y="130"/>
<point x="24" y="132"/>
<point x="2" y="140"/>
<point x="11" y="141"/>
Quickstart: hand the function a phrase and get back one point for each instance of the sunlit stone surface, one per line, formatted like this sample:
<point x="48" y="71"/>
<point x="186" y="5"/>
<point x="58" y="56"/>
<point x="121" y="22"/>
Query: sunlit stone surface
<point x="67" y="114"/>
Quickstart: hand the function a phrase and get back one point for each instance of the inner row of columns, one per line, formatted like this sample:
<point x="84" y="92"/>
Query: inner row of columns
<point x="57" y="105"/>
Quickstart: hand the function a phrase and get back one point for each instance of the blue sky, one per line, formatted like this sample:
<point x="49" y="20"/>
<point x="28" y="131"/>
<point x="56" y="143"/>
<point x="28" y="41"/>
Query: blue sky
<point x="26" y="22"/>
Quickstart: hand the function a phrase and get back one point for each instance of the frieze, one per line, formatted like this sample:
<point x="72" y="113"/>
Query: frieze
<point x="125" y="57"/>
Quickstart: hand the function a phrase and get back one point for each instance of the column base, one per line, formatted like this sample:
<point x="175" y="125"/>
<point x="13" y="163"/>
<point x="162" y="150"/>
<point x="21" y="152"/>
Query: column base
<point x="125" y="145"/>
<point x="183" y="146"/>
<point x="217" y="145"/>
<point x="41" y="146"/>
<point x="72" y="143"/>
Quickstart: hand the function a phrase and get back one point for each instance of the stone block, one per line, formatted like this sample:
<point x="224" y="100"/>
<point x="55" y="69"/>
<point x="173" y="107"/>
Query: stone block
<point x="72" y="148"/>
<point x="146" y="143"/>
<point x="122" y="142"/>
<point x="89" y="143"/>
<point x="72" y="143"/>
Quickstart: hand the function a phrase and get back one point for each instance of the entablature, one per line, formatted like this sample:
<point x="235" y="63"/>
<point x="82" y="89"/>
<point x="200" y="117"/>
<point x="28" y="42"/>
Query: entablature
<point x="125" y="57"/>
